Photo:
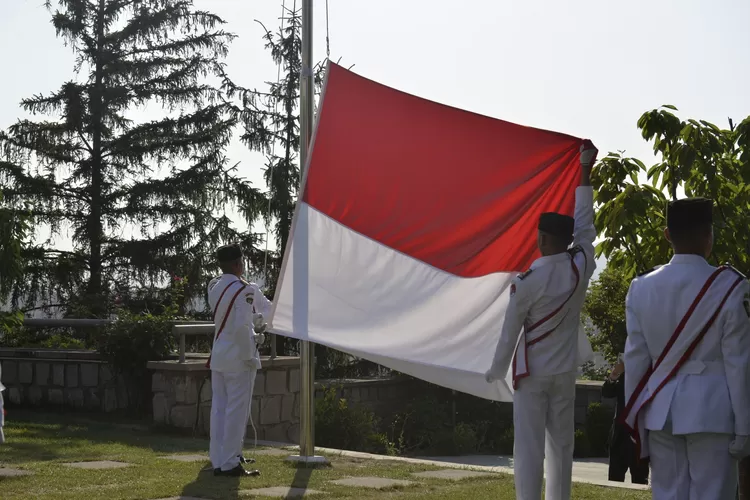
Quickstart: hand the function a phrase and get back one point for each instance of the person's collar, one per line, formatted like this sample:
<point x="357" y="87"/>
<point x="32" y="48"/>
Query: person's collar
<point x="687" y="258"/>
<point x="550" y="259"/>
<point x="230" y="276"/>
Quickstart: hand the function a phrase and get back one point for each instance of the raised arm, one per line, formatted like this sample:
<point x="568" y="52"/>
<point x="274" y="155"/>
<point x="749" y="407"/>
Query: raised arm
<point x="521" y="299"/>
<point x="262" y="304"/>
<point x="637" y="358"/>
<point x="584" y="232"/>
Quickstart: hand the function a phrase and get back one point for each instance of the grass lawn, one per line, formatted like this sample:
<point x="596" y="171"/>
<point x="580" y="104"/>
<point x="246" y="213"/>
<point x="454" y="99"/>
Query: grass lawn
<point x="42" y="443"/>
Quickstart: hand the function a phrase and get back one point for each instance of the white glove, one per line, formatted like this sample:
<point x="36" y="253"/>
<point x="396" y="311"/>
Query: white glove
<point x="489" y="377"/>
<point x="260" y="339"/>
<point x="588" y="153"/>
<point x="739" y="448"/>
<point x="259" y="323"/>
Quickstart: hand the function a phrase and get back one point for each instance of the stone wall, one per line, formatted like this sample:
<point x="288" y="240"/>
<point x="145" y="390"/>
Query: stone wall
<point x="61" y="379"/>
<point x="79" y="380"/>
<point x="182" y="397"/>
<point x="387" y="397"/>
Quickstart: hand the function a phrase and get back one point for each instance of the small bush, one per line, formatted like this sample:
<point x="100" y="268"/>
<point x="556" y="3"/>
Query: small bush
<point x="422" y="426"/>
<point x="133" y="340"/>
<point x="47" y="338"/>
<point x="348" y="427"/>
<point x="129" y="344"/>
<point x="504" y="444"/>
<point x="591" y="372"/>
<point x="459" y="441"/>
<point x="581" y="444"/>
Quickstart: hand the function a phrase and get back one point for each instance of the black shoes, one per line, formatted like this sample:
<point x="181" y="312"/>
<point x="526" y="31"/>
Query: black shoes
<point x="238" y="471"/>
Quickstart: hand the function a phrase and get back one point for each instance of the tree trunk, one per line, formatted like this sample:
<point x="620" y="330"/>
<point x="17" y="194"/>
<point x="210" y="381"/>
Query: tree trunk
<point x="96" y="231"/>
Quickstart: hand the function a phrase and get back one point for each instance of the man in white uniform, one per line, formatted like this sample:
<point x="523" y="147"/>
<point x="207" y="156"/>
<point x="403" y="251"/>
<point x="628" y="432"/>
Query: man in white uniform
<point x="687" y="362"/>
<point x="544" y="311"/>
<point x="238" y="310"/>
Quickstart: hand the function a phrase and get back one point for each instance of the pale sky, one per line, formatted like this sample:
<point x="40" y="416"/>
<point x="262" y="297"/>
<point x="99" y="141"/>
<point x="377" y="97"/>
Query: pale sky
<point x="588" y="68"/>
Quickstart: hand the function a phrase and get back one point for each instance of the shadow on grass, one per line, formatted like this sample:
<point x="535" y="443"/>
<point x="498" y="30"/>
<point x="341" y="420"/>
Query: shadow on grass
<point x="38" y="437"/>
<point x="303" y="475"/>
<point x="206" y="485"/>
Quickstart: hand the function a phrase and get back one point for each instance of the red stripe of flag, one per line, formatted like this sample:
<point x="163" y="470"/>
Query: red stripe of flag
<point x="456" y="190"/>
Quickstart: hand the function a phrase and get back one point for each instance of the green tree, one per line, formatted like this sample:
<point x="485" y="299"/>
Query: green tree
<point x="697" y="158"/>
<point x="271" y="123"/>
<point x="605" y="307"/>
<point x="14" y="229"/>
<point x="94" y="173"/>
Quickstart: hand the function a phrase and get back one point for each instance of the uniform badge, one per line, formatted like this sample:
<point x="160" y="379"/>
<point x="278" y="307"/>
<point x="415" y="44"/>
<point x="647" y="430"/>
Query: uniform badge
<point x="249" y="298"/>
<point x="513" y="292"/>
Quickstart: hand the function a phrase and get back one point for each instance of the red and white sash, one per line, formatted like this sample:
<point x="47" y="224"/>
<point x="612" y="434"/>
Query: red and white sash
<point x="685" y="338"/>
<point x="531" y="334"/>
<point x="218" y="328"/>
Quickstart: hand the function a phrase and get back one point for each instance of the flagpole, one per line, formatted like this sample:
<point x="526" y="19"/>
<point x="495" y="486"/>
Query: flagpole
<point x="307" y="350"/>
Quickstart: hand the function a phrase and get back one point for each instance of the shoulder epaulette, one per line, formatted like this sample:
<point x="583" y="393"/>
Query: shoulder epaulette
<point x="523" y="276"/>
<point x="576" y="249"/>
<point x="644" y="273"/>
<point x="732" y="268"/>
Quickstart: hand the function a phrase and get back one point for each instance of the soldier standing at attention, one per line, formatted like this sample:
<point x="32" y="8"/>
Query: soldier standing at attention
<point x="238" y="311"/>
<point x="687" y="357"/>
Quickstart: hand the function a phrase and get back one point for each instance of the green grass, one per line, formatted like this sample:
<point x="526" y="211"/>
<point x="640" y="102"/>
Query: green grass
<point x="42" y="443"/>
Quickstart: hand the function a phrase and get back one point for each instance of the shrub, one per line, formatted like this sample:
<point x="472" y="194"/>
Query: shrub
<point x="581" y="444"/>
<point x="504" y="445"/>
<point x="129" y="343"/>
<point x="133" y="340"/>
<point x="348" y="427"/>
<point x="598" y="425"/>
<point x="458" y="441"/>
<point x="48" y="338"/>
<point x="592" y="372"/>
<point x="421" y="425"/>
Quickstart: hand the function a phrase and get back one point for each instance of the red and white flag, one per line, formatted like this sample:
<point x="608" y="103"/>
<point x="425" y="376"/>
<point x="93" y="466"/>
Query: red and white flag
<point x="413" y="220"/>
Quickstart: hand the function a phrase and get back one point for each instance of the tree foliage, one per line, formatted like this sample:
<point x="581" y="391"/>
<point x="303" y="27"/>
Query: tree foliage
<point x="271" y="122"/>
<point x="605" y="307"/>
<point x="14" y="229"/>
<point x="697" y="158"/>
<point x="141" y="200"/>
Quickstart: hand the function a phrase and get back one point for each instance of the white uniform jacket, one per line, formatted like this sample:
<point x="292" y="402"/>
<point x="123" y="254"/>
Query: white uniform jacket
<point x="233" y="302"/>
<point x="545" y="306"/>
<point x="709" y="387"/>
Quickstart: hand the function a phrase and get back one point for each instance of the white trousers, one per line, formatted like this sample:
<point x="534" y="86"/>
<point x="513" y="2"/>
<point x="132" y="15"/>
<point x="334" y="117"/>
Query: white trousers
<point x="544" y="424"/>
<point x="691" y="466"/>
<point x="230" y="410"/>
<point x="2" y="419"/>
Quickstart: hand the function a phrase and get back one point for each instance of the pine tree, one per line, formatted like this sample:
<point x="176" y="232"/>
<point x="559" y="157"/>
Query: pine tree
<point x="272" y="117"/>
<point x="14" y="228"/>
<point x="91" y="171"/>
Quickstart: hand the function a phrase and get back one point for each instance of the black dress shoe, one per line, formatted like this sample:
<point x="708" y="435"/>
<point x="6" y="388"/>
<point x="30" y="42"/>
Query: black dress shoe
<point x="244" y="460"/>
<point x="236" y="472"/>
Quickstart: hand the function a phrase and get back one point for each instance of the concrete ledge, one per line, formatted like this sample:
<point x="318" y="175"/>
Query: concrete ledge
<point x="61" y="354"/>
<point x="197" y="362"/>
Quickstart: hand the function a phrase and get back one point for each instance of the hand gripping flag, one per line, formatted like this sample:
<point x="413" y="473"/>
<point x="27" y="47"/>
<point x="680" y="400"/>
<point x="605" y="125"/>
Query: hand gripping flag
<point x="413" y="220"/>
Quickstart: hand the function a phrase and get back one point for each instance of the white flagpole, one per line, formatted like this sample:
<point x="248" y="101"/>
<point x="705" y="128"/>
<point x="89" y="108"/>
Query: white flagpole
<point x="307" y="351"/>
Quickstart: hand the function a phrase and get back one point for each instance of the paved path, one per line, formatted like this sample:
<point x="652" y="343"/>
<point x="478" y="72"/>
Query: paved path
<point x="590" y="471"/>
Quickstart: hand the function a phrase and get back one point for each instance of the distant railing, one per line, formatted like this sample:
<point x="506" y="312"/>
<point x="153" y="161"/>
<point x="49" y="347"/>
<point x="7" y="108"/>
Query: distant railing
<point x="180" y="329"/>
